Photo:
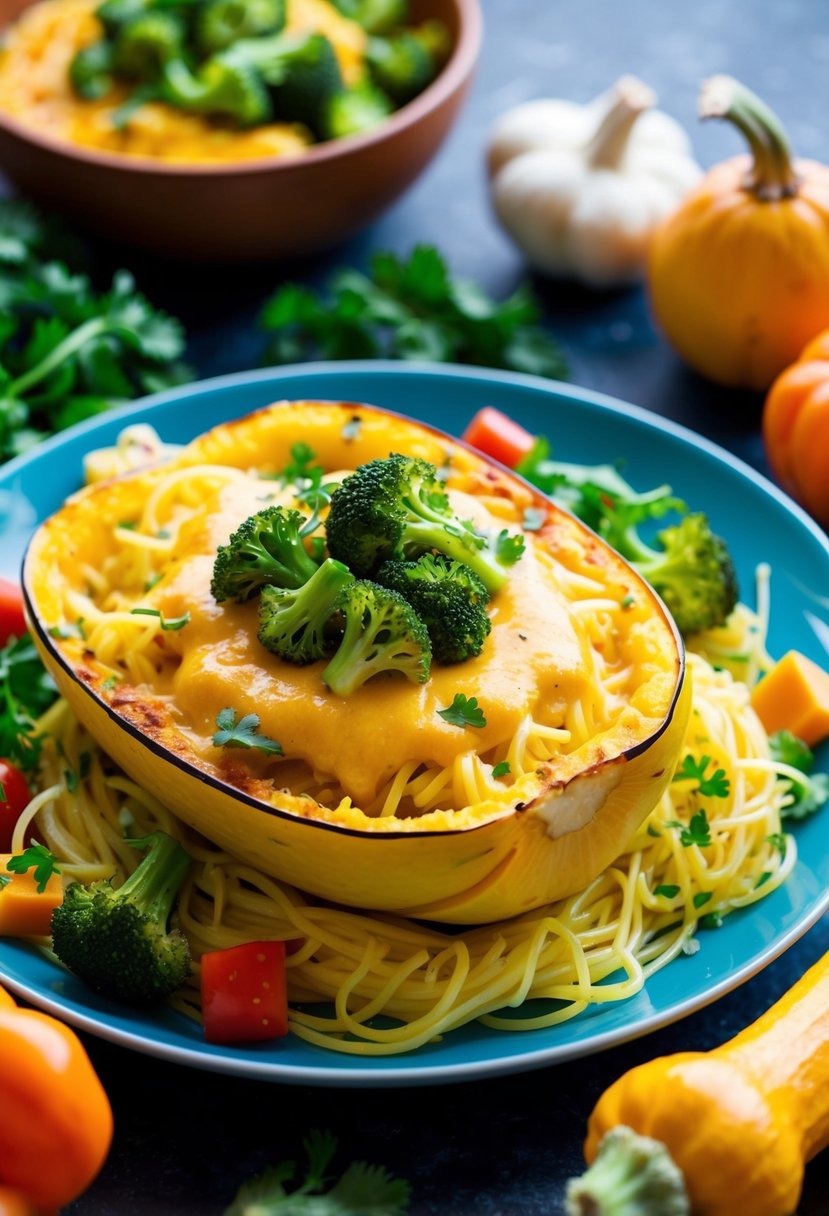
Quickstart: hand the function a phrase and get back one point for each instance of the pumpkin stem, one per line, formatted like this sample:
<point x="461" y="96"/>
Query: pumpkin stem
<point x="628" y="99"/>
<point x="772" y="176"/>
<point x="632" y="1175"/>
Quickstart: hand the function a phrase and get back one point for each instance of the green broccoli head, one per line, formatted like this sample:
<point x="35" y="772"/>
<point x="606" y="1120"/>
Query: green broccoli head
<point x="449" y="598"/>
<point x="267" y="548"/>
<point x="222" y="87"/>
<point x="143" y="45"/>
<point x="694" y="574"/>
<point x="352" y="111"/>
<point x="382" y="633"/>
<point x="219" y="23"/>
<point x="302" y="79"/>
<point x="296" y="624"/>
<point x="90" y="71"/>
<point x="397" y="508"/>
<point x="401" y="66"/>
<point x="117" y="941"/>
<point x="375" y="16"/>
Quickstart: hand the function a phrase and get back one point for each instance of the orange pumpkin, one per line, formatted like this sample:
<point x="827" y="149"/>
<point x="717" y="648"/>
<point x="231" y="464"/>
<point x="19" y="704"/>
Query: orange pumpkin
<point x="796" y="428"/>
<point x="738" y="273"/>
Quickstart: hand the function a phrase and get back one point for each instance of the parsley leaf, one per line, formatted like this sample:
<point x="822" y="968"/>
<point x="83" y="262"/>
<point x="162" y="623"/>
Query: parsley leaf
<point x="716" y="785"/>
<point x="68" y="351"/>
<point x="362" y="1190"/>
<point x="697" y="832"/>
<point x="26" y="692"/>
<point x="667" y="889"/>
<point x="463" y="712"/>
<point x="243" y="733"/>
<point x="501" y="770"/>
<point x="808" y="791"/>
<point x="409" y="309"/>
<point x="38" y="858"/>
<point x="509" y="549"/>
<point x="701" y="898"/>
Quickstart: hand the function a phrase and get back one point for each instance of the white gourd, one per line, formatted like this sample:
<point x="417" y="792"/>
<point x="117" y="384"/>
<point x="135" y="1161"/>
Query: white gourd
<point x="580" y="189"/>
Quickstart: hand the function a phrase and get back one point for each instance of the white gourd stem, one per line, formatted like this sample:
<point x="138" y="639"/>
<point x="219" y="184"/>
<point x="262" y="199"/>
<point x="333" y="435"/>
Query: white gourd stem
<point x="629" y="99"/>
<point x="772" y="176"/>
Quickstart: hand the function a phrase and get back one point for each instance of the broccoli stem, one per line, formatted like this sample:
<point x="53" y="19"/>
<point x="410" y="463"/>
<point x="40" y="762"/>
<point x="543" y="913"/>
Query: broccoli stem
<point x="154" y="885"/>
<point x="632" y="1175"/>
<point x="465" y="547"/>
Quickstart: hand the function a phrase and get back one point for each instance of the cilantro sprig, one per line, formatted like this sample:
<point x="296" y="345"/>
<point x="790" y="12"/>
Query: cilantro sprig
<point x="808" y="791"/>
<point x="710" y="785"/>
<point x="244" y="733"/>
<point x="68" y="351"/>
<point x="362" y="1188"/>
<point x="38" y="858"/>
<point x="464" y="711"/>
<point x="697" y="831"/>
<point x="410" y="309"/>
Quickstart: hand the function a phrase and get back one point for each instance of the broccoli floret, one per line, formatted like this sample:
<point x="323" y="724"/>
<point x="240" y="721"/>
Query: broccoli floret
<point x="396" y="508"/>
<point x="692" y="569"/>
<point x="693" y="572"/>
<point x="449" y="598"/>
<point x="382" y="633"/>
<point x="401" y="66"/>
<point x="114" y="14"/>
<point x="145" y="44"/>
<point x="295" y="624"/>
<point x="90" y="72"/>
<point x="301" y="86"/>
<point x="222" y="22"/>
<point x="375" y="16"/>
<point x="222" y="88"/>
<point x="266" y="548"/>
<point x="352" y="111"/>
<point x="117" y="941"/>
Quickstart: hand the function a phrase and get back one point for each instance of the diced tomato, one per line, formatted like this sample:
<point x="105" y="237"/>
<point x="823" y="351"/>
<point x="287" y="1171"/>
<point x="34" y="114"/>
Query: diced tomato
<point x="12" y="620"/>
<point x="244" y="993"/>
<point x="14" y="798"/>
<point x="498" y="436"/>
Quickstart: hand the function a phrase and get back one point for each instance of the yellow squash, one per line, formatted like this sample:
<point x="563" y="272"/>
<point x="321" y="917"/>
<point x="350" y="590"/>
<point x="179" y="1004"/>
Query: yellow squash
<point x="740" y="1122"/>
<point x="515" y="847"/>
<point x="738" y="273"/>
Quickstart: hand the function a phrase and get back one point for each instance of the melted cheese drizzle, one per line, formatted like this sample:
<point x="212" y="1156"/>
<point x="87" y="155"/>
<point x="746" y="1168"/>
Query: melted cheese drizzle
<point x="556" y="671"/>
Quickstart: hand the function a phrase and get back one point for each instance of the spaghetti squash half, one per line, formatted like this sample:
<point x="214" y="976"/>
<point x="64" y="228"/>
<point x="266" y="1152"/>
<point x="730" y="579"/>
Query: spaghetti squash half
<point x="374" y="800"/>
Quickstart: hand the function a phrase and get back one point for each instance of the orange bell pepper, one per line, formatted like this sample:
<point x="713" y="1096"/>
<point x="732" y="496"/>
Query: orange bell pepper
<point x="55" y="1119"/>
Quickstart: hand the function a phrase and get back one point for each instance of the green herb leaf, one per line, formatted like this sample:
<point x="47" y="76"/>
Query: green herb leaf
<point x="502" y="769"/>
<point x="464" y="711"/>
<point x="509" y="549"/>
<point x="779" y="841"/>
<point x="243" y="733"/>
<point x="701" y="898"/>
<point x="668" y="890"/>
<point x="26" y="692"/>
<point x="711" y="920"/>
<point x="38" y="858"/>
<point x="715" y="785"/>
<point x="168" y="624"/>
<point x="808" y="792"/>
<point x="697" y="832"/>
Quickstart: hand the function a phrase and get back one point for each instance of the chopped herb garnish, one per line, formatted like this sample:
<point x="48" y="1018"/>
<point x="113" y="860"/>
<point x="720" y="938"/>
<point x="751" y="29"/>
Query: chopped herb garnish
<point x="464" y="711"/>
<point x="129" y="524"/>
<point x="509" y="549"/>
<point x="763" y="879"/>
<point x="628" y="601"/>
<point x="716" y="785"/>
<point x="167" y="623"/>
<point x="109" y="683"/>
<point x="38" y="858"/>
<point x="73" y="630"/>
<point x="701" y="898"/>
<point x="710" y="920"/>
<point x="153" y="580"/>
<point x="243" y="733"/>
<point x="70" y="777"/>
<point x="301" y="467"/>
<point x="502" y="769"/>
<point x="668" y="890"/>
<point x="653" y="832"/>
<point x="779" y="841"/>
<point x="697" y="832"/>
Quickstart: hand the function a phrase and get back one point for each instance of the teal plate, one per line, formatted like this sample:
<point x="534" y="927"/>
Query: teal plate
<point x="760" y="524"/>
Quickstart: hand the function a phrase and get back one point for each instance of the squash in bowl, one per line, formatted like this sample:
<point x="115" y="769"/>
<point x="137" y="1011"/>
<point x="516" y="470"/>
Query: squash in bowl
<point x="380" y="799"/>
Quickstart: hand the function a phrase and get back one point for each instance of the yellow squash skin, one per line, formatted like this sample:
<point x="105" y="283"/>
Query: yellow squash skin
<point x="489" y="861"/>
<point x="740" y="1121"/>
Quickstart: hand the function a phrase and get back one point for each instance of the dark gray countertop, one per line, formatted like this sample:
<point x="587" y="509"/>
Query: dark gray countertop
<point x="186" y="1139"/>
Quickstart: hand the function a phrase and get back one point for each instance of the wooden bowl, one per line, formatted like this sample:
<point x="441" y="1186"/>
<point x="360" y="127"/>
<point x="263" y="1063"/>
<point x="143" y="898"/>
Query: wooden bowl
<point x="251" y="210"/>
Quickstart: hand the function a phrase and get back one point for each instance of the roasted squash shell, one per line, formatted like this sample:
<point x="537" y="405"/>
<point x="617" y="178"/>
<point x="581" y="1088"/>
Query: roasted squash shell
<point x="546" y="837"/>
